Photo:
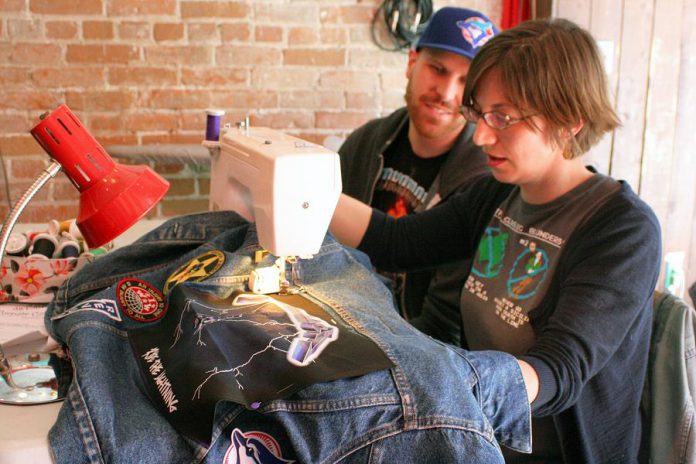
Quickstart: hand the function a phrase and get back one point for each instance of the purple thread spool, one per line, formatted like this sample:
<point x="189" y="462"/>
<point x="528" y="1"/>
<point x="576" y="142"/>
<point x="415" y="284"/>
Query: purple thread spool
<point x="212" y="125"/>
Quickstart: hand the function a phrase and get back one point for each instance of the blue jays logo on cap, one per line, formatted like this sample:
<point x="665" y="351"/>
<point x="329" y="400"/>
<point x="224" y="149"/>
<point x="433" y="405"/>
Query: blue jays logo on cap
<point x="476" y="30"/>
<point x="253" y="448"/>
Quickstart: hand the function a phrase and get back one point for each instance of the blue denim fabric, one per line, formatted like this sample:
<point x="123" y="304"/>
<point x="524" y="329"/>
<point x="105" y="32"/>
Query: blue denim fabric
<point x="438" y="404"/>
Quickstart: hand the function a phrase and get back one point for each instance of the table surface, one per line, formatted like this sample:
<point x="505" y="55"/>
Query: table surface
<point x="24" y="429"/>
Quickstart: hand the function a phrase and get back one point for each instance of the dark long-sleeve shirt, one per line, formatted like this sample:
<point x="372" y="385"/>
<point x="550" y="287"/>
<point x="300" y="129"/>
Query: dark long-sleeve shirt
<point x="590" y="326"/>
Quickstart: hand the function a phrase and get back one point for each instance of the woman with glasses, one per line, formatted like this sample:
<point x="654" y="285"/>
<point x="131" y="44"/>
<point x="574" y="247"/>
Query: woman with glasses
<point x="565" y="259"/>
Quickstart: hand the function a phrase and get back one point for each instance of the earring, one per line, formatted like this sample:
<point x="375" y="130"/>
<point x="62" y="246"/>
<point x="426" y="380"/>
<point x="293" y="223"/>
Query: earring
<point x="568" y="152"/>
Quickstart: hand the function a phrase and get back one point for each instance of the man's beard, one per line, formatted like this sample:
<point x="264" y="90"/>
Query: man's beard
<point x="427" y="126"/>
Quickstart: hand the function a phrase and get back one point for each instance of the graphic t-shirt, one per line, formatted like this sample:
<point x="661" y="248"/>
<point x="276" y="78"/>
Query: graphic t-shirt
<point x="406" y="178"/>
<point x="516" y="258"/>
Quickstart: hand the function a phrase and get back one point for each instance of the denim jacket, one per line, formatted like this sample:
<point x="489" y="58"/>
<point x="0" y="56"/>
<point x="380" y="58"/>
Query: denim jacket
<point x="668" y="396"/>
<point x="437" y="403"/>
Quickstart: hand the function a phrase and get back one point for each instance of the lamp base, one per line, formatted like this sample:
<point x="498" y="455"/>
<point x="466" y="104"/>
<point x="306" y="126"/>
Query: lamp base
<point x="36" y="380"/>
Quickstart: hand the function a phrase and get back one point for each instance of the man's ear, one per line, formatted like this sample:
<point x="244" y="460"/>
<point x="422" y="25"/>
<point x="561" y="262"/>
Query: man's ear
<point x="412" y="56"/>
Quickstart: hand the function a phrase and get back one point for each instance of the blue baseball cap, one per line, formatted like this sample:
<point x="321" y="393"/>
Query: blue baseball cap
<point x="457" y="30"/>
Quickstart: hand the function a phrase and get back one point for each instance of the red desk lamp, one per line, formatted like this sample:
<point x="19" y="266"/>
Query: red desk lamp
<point x="113" y="197"/>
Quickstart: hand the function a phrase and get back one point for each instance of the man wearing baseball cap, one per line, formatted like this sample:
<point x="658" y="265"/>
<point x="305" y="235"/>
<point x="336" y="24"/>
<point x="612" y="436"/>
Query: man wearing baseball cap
<point x="420" y="154"/>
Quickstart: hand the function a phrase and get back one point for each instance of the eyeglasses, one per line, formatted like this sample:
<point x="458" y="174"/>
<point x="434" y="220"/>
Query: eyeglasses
<point x="494" y="119"/>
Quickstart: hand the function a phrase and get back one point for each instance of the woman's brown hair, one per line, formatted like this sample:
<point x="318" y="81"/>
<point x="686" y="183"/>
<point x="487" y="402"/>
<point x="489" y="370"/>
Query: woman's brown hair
<point x="551" y="67"/>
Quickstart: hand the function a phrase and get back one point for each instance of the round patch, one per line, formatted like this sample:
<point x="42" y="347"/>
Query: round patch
<point x="199" y="268"/>
<point x="139" y="300"/>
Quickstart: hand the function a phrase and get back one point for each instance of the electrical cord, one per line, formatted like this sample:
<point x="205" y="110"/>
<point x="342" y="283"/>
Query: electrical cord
<point x="403" y="20"/>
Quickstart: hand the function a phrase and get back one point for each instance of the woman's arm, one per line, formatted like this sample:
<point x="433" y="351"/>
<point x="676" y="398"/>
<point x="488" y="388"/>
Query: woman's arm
<point x="350" y="220"/>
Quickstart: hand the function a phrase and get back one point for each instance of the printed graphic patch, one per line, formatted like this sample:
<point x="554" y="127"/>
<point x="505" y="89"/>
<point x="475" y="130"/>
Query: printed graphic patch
<point x="139" y="300"/>
<point x="476" y="30"/>
<point x="199" y="268"/>
<point x="253" y="448"/>
<point x="106" y="307"/>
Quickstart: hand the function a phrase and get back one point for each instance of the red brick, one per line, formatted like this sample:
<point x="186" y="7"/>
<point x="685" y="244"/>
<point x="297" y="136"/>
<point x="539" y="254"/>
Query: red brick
<point x="356" y="14"/>
<point x="26" y="167"/>
<point x="361" y="101"/>
<point x="302" y="35"/>
<point x="13" y="77"/>
<point x="247" y="55"/>
<point x="168" y="31"/>
<point x="16" y="123"/>
<point x="173" y="54"/>
<point x="219" y="9"/>
<point x="105" y="122"/>
<point x="122" y="139"/>
<point x="171" y="138"/>
<point x="134" y="30"/>
<point x="12" y="6"/>
<point x="333" y="35"/>
<point x="22" y="29"/>
<point x="393" y="80"/>
<point x="283" y="120"/>
<point x="289" y="78"/>
<point x="331" y="99"/>
<point x="137" y="76"/>
<point x="392" y="100"/>
<point x="193" y="120"/>
<point x="62" y="188"/>
<point x="179" y="207"/>
<point x="314" y="57"/>
<point x="176" y="99"/>
<point x="282" y="14"/>
<point x="351" y="80"/>
<point x="41" y="213"/>
<point x="19" y="145"/>
<point x="203" y="185"/>
<point x="298" y="99"/>
<point x="67" y="77"/>
<point x="42" y="54"/>
<point x="141" y="8"/>
<point x="214" y="77"/>
<point x="363" y="36"/>
<point x="246" y="99"/>
<point x="181" y="187"/>
<point x="97" y="30"/>
<point x="150" y="122"/>
<point x="235" y="32"/>
<point x="121" y="54"/>
<point x="66" y="7"/>
<point x="169" y="169"/>
<point x="343" y="119"/>
<point x="201" y="32"/>
<point x="30" y="99"/>
<point x="268" y="34"/>
<point x="17" y="189"/>
<point x="100" y="100"/>
<point x="61" y="30"/>
<point x="359" y="58"/>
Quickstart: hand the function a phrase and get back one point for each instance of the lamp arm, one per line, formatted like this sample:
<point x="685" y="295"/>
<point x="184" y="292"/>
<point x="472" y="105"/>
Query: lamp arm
<point x="49" y="173"/>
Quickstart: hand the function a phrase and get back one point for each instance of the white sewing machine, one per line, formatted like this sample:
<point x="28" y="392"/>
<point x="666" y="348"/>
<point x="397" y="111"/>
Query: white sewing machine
<point x="288" y="186"/>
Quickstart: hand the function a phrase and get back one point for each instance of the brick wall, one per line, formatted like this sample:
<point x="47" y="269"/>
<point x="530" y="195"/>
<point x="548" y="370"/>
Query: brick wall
<point x="142" y="72"/>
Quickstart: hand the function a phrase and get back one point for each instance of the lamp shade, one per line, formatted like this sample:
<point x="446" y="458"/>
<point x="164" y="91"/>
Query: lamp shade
<point x="113" y="196"/>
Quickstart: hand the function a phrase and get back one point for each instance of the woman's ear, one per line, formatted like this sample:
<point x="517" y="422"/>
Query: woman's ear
<point x="574" y="129"/>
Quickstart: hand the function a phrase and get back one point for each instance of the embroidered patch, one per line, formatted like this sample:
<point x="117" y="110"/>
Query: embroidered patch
<point x="199" y="268"/>
<point x="106" y="307"/>
<point x="253" y="447"/>
<point x="139" y="300"/>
